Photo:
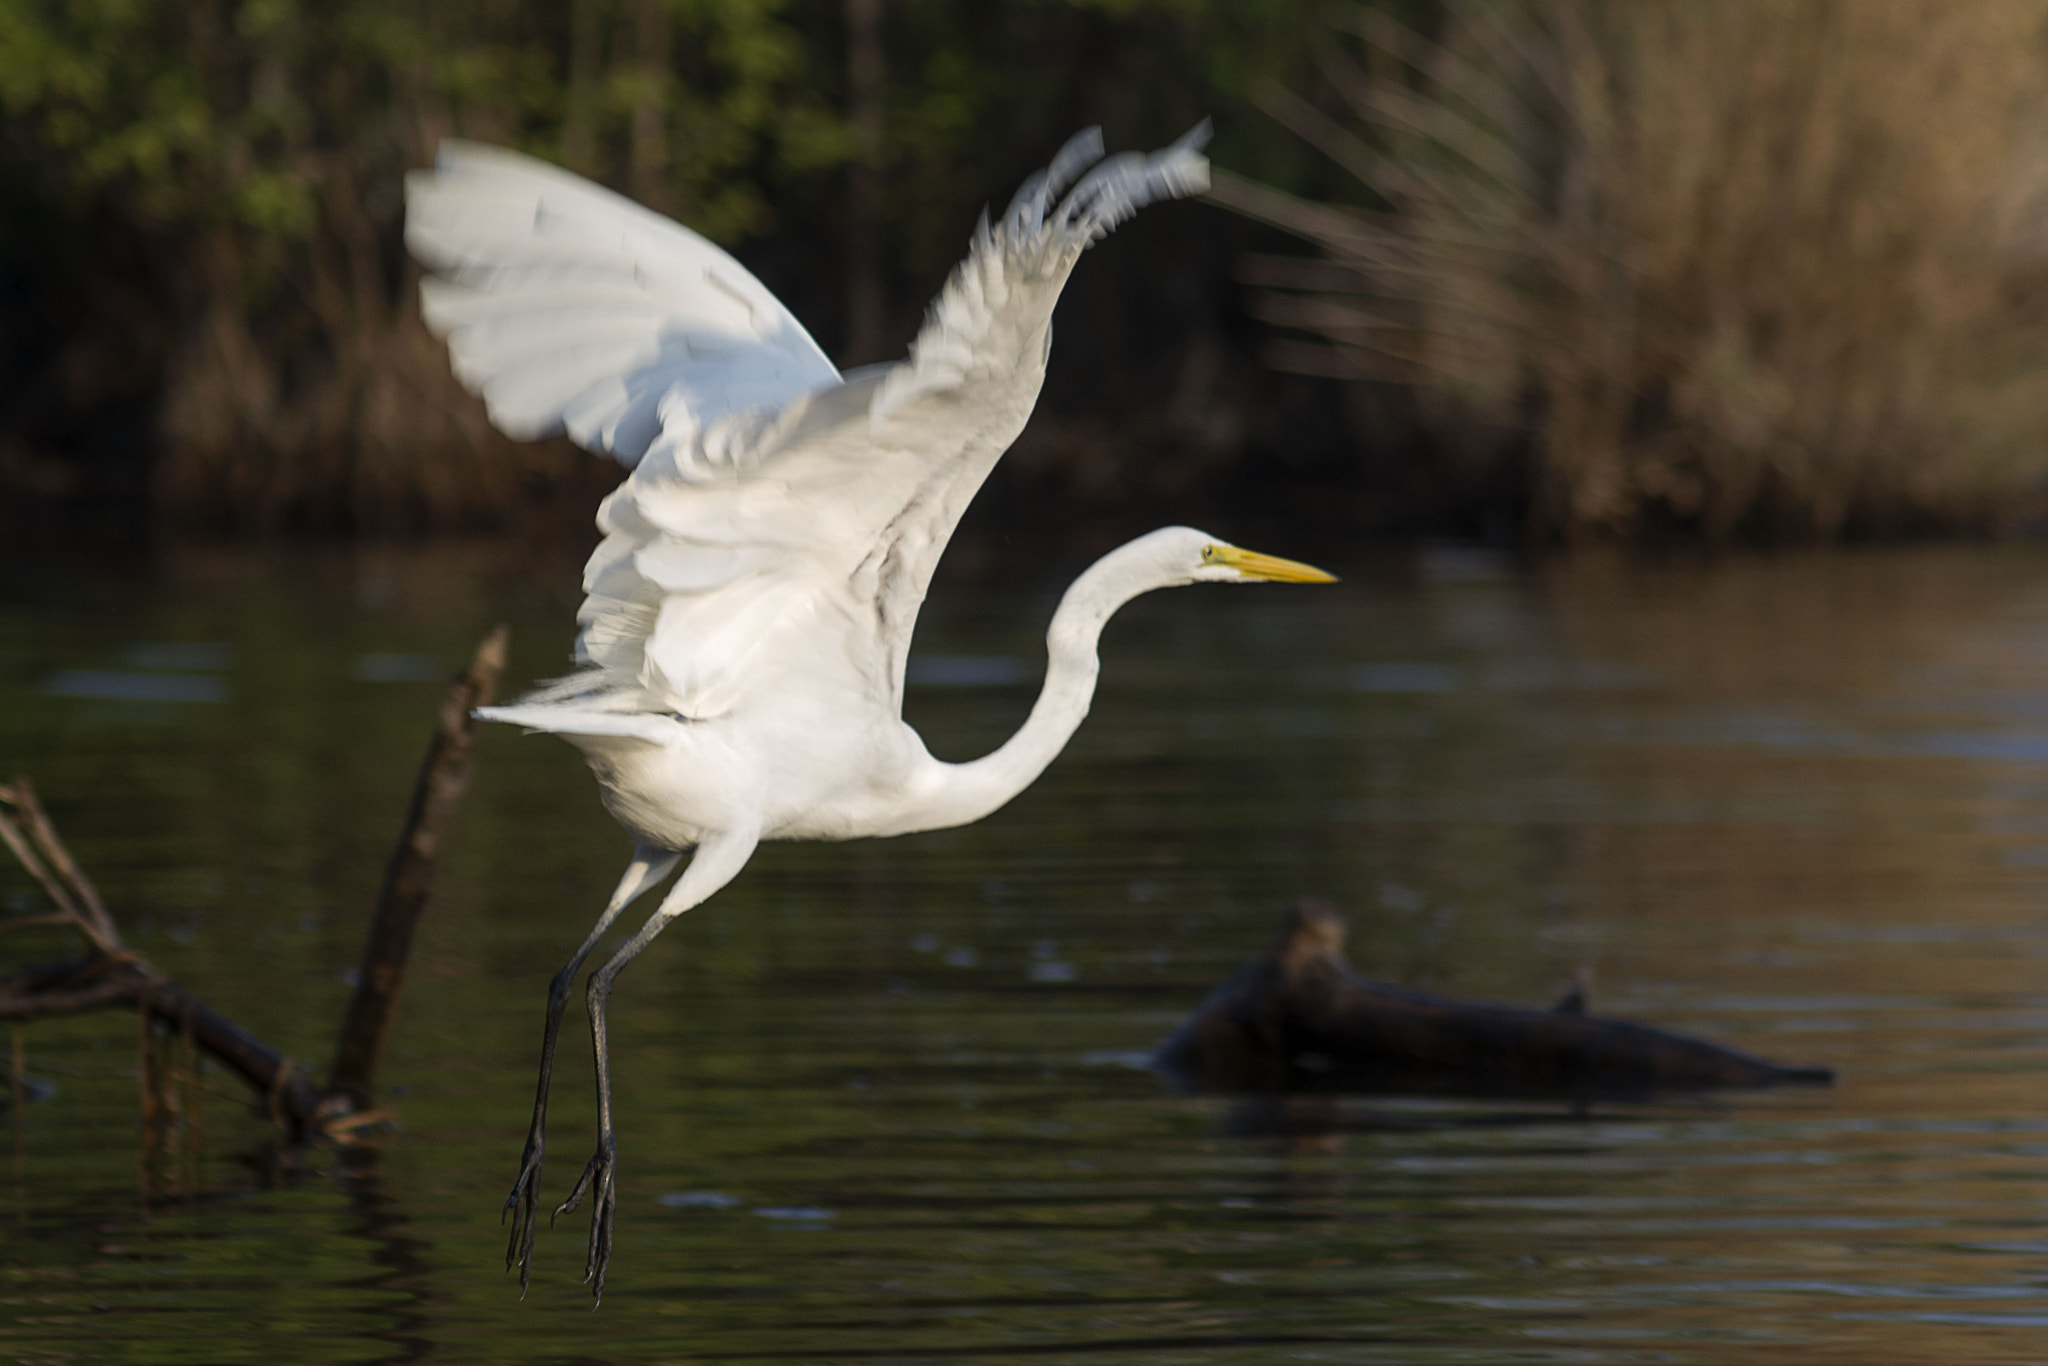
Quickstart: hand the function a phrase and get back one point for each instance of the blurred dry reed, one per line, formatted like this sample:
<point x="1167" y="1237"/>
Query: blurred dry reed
<point x="359" y="425"/>
<point x="1758" y="267"/>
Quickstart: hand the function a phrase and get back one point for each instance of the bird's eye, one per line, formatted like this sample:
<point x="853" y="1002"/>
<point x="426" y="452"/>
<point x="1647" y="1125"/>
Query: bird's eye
<point x="1209" y="555"/>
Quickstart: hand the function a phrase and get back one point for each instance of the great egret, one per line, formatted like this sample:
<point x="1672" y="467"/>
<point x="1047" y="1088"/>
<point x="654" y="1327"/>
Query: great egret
<point x="750" y="607"/>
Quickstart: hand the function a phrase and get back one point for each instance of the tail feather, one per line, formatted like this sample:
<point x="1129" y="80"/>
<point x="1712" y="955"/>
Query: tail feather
<point x="559" y="720"/>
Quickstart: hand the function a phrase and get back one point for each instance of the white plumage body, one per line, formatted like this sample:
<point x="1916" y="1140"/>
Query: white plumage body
<point x="750" y="608"/>
<point x="749" y="611"/>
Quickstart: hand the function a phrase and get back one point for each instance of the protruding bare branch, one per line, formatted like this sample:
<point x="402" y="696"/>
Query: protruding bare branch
<point x="33" y="840"/>
<point x="116" y="975"/>
<point x="443" y="776"/>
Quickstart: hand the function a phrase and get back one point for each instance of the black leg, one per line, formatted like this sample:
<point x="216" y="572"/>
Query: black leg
<point x="522" y="1204"/>
<point x="719" y="857"/>
<point x="600" y="1174"/>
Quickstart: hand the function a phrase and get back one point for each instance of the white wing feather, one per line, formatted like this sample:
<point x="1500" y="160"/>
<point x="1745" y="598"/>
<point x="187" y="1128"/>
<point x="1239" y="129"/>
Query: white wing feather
<point x="568" y="307"/>
<point x="768" y="537"/>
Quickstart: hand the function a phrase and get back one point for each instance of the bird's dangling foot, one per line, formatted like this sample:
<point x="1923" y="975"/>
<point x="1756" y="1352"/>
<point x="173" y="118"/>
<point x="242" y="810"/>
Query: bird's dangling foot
<point x="523" y="1205"/>
<point x="599" y="1179"/>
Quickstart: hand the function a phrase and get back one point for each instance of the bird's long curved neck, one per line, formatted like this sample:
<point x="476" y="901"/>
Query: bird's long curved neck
<point x="967" y="792"/>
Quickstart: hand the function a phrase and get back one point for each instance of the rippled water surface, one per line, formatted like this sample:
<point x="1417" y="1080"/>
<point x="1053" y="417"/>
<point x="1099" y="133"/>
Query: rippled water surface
<point x="885" y="1101"/>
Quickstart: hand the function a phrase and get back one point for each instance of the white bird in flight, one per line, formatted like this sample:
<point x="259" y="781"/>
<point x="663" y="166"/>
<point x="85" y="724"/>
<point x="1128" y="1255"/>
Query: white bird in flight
<point x="741" y="657"/>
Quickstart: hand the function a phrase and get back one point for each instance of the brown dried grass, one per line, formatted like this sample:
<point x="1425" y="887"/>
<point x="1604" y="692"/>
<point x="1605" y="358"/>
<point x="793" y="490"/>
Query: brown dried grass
<point x="1753" y="267"/>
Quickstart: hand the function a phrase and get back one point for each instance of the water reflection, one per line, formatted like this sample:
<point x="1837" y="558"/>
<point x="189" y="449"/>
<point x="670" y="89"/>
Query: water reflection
<point x="883" y="1101"/>
<point x="110" y="685"/>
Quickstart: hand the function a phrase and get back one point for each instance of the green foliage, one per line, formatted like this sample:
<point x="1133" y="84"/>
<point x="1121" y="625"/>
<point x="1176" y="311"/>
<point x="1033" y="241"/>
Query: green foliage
<point x="242" y="161"/>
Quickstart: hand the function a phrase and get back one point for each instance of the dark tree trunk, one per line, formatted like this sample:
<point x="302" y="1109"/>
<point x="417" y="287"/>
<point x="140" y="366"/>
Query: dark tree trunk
<point x="865" y="304"/>
<point x="647" y="178"/>
<point x="579" y="124"/>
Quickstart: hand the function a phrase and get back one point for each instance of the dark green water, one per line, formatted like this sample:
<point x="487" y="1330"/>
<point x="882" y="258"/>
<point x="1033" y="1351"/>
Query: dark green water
<point x="879" y="1101"/>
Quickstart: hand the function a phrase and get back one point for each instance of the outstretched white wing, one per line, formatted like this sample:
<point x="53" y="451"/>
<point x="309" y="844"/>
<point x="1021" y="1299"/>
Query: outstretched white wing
<point x="568" y="307"/>
<point x="794" y="538"/>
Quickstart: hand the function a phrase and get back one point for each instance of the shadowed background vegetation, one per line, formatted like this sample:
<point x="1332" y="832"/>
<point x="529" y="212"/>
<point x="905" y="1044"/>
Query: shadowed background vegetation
<point x="1549" y="268"/>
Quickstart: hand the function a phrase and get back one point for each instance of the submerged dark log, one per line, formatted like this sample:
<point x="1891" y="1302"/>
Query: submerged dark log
<point x="1298" y="1018"/>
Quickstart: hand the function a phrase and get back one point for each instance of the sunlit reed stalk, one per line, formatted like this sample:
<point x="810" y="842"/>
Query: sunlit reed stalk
<point x="1746" y="268"/>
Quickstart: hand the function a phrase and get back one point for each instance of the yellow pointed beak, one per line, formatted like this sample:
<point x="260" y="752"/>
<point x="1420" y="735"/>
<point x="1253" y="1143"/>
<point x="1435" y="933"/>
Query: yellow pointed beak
<point x="1253" y="565"/>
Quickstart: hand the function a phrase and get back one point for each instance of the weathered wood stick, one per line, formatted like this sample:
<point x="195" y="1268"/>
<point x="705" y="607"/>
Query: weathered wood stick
<point x="103" y="982"/>
<point x="33" y="840"/>
<point x="29" y="1005"/>
<point x="295" y="1100"/>
<point x="92" y="912"/>
<point x="443" y="776"/>
<point x="115" y="975"/>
